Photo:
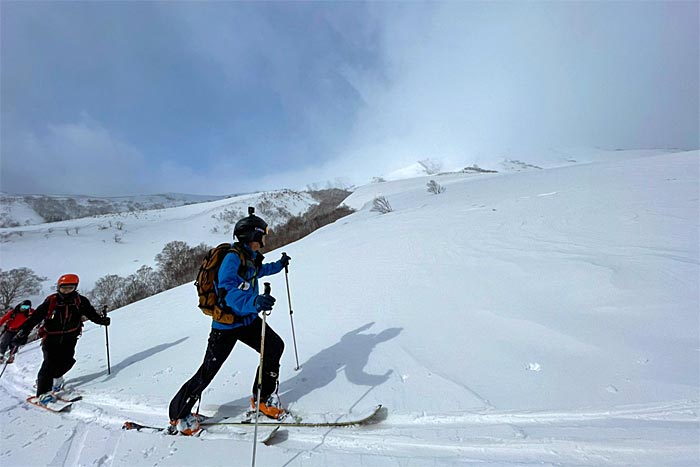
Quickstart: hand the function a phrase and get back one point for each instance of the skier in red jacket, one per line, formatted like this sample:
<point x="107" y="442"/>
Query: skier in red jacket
<point x="10" y="324"/>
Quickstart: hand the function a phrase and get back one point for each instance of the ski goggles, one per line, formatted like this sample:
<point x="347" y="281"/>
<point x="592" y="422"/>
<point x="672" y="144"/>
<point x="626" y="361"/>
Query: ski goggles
<point x="24" y="307"/>
<point x="67" y="288"/>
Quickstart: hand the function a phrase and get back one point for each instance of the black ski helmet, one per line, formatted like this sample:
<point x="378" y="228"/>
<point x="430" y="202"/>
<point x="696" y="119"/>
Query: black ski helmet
<point x="251" y="228"/>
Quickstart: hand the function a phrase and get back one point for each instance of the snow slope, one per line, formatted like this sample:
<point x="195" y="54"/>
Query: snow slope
<point x="16" y="210"/>
<point x="121" y="243"/>
<point x="546" y="317"/>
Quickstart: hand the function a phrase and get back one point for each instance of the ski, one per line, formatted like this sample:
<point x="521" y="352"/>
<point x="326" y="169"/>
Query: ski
<point x="374" y="416"/>
<point x="128" y="425"/>
<point x="135" y="426"/>
<point x="66" y="395"/>
<point x="56" y="407"/>
<point x="69" y="397"/>
<point x="265" y="438"/>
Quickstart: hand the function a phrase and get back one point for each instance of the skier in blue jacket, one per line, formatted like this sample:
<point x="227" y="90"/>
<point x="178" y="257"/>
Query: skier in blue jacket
<point x="237" y="289"/>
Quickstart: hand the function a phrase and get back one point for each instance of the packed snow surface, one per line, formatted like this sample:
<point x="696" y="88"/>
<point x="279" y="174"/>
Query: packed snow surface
<point x="544" y="317"/>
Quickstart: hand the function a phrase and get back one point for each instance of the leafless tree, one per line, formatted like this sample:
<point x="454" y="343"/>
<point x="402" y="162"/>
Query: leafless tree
<point x="179" y="263"/>
<point x="430" y="166"/>
<point x="229" y="215"/>
<point x="17" y="283"/>
<point x="435" y="188"/>
<point x="381" y="205"/>
<point x="106" y="292"/>
<point x="328" y="210"/>
<point x="142" y="284"/>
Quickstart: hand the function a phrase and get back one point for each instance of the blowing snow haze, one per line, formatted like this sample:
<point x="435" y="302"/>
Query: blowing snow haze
<point x="117" y="98"/>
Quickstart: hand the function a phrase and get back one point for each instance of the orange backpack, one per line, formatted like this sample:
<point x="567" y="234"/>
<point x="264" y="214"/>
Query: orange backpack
<point x="210" y="303"/>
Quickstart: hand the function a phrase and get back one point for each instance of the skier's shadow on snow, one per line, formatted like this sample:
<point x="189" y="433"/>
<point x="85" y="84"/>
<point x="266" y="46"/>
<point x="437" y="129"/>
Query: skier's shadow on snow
<point x="115" y="369"/>
<point x="350" y="355"/>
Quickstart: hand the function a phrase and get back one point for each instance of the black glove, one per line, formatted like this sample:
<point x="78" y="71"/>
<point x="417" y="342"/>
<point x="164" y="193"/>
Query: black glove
<point x="264" y="302"/>
<point x="285" y="260"/>
<point x="104" y="321"/>
<point x="20" y="338"/>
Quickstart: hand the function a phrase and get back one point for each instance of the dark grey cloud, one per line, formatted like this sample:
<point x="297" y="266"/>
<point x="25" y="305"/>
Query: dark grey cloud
<point x="217" y="97"/>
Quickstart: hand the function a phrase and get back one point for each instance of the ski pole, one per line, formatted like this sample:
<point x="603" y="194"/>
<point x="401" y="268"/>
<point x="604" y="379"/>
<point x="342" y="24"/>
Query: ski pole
<point x="104" y="313"/>
<point x="3" y="368"/>
<point x="260" y="370"/>
<point x="291" y="318"/>
<point x="12" y="354"/>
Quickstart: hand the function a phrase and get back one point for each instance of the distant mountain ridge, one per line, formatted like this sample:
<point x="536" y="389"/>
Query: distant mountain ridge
<point x="520" y="161"/>
<point x="132" y="239"/>
<point x="18" y="210"/>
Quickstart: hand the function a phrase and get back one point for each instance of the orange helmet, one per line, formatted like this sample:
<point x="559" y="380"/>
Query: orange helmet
<point x="68" y="279"/>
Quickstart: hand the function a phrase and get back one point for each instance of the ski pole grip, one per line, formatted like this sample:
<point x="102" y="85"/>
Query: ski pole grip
<point x="267" y="288"/>
<point x="286" y="266"/>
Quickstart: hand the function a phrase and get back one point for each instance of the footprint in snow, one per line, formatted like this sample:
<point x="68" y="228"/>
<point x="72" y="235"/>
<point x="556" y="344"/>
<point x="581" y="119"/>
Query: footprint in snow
<point x="164" y="371"/>
<point x="533" y="367"/>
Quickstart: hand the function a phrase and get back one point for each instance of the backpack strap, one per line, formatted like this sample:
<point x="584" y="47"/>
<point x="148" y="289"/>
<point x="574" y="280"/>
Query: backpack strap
<point x="52" y="304"/>
<point x="244" y="260"/>
<point x="53" y="301"/>
<point x="243" y="266"/>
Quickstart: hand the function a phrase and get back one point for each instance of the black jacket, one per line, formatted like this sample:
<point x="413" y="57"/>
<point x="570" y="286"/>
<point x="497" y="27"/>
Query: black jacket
<point x="63" y="314"/>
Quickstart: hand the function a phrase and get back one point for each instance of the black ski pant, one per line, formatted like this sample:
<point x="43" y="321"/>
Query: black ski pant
<point x="218" y="349"/>
<point x="6" y="340"/>
<point x="59" y="351"/>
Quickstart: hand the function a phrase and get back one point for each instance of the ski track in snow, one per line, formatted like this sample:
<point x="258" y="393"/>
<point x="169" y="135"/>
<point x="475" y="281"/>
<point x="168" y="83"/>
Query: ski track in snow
<point x="486" y="436"/>
<point x="446" y="448"/>
<point x="446" y="377"/>
<point x="69" y="453"/>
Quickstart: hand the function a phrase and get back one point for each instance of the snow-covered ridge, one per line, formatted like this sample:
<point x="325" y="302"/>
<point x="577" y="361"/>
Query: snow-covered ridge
<point x="22" y="210"/>
<point x="517" y="162"/>
<point x="121" y="243"/>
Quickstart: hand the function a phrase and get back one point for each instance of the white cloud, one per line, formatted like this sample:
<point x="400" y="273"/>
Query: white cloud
<point x="467" y="82"/>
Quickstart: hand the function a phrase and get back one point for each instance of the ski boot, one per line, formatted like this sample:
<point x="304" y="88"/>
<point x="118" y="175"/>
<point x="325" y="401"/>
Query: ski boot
<point x="58" y="384"/>
<point x="46" y="399"/>
<point x="272" y="408"/>
<point x="187" y="426"/>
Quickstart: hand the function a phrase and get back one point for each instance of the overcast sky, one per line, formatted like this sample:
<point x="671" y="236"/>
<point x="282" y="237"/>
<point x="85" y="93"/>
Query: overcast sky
<point x="119" y="98"/>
